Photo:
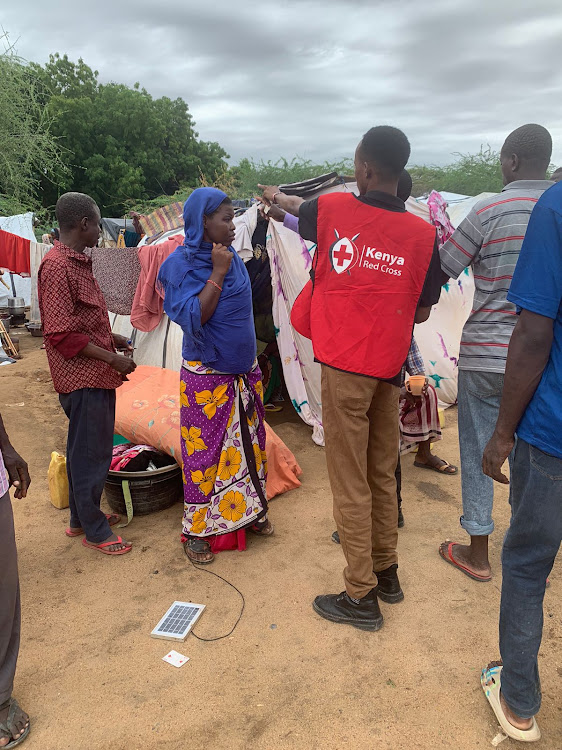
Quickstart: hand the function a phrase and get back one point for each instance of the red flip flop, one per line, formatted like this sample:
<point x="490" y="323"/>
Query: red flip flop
<point x="451" y="560"/>
<point x="113" y="518"/>
<point x="101" y="547"/>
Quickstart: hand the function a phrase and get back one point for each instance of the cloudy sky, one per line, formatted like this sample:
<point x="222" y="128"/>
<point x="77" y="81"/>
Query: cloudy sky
<point x="308" y="77"/>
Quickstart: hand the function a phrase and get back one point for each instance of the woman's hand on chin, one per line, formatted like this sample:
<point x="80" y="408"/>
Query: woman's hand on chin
<point x="221" y="257"/>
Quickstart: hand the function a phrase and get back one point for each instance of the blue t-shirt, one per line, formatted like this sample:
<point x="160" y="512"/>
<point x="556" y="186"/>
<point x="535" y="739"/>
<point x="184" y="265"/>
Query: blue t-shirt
<point x="537" y="287"/>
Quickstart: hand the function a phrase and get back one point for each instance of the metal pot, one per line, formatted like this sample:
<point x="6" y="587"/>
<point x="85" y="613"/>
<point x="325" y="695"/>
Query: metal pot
<point x="16" y="305"/>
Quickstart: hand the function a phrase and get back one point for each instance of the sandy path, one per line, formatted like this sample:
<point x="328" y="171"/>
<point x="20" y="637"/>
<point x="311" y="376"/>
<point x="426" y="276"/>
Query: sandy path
<point x="91" y="676"/>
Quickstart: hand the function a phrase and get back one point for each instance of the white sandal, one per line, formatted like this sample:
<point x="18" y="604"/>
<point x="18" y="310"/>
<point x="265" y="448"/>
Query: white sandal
<point x="490" y="680"/>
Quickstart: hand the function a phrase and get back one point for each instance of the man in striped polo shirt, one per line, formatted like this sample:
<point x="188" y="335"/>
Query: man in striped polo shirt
<point x="489" y="240"/>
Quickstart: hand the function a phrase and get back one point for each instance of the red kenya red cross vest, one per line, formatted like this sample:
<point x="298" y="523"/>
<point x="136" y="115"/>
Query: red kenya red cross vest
<point x="368" y="274"/>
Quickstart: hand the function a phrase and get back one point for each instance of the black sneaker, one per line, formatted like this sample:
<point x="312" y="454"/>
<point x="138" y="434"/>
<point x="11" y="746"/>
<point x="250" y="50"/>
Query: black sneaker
<point x="388" y="588"/>
<point x="336" y="537"/>
<point x="363" y="613"/>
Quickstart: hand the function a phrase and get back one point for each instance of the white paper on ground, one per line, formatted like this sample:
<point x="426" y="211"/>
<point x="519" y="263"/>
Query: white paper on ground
<point x="175" y="658"/>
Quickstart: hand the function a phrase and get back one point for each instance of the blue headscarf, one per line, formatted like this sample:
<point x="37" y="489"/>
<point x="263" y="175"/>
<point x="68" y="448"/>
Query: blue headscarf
<point x="194" y="253"/>
<point x="227" y="341"/>
<point x="202" y="202"/>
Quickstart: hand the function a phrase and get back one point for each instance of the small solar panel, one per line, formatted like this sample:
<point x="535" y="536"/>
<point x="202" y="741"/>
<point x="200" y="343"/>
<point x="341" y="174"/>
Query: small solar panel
<point x="178" y="621"/>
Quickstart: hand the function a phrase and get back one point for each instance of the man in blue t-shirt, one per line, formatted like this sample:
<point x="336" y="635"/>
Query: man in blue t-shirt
<point x="531" y="406"/>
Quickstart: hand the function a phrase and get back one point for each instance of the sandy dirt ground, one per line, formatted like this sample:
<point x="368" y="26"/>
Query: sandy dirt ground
<point x="92" y="678"/>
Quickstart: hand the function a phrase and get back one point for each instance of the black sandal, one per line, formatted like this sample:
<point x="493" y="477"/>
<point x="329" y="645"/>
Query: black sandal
<point x="197" y="547"/>
<point x="8" y="728"/>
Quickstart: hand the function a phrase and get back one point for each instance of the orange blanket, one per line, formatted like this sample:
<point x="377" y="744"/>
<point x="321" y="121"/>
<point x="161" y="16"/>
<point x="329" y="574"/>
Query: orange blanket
<point x="148" y="412"/>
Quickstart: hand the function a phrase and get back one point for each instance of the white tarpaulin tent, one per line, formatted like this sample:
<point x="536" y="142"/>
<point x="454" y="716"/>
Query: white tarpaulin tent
<point x="290" y="256"/>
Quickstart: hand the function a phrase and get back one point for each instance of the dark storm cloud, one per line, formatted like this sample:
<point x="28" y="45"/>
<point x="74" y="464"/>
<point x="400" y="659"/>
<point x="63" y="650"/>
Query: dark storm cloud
<point x="308" y="77"/>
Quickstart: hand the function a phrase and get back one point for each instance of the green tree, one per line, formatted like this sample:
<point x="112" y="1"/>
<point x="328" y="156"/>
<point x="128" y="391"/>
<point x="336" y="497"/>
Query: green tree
<point x="29" y="152"/>
<point x="125" y="146"/>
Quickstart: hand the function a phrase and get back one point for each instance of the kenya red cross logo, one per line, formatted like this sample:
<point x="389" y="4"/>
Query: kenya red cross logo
<point x="343" y="253"/>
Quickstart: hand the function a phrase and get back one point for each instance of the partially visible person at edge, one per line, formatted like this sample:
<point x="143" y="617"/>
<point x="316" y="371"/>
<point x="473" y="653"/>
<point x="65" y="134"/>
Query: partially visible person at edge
<point x="207" y="292"/>
<point x="85" y="367"/>
<point x="14" y="723"/>
<point x="419" y="418"/>
<point x="531" y="406"/>
<point x="557" y="175"/>
<point x="489" y="240"/>
<point x="50" y="237"/>
<point x="418" y="415"/>
<point x="359" y="311"/>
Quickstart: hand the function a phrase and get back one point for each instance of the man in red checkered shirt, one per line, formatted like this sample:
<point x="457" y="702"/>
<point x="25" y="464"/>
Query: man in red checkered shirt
<point x="85" y="366"/>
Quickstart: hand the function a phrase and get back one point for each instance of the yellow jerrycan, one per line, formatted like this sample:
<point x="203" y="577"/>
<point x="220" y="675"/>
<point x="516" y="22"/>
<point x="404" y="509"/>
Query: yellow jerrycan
<point x="58" y="481"/>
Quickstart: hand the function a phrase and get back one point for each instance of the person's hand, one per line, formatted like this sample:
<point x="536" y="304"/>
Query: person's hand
<point x="272" y="211"/>
<point x="221" y="257"/>
<point x="268" y="193"/>
<point x="121" y="343"/>
<point x="495" y="455"/>
<point x="410" y="398"/>
<point x="123" y="365"/>
<point x="18" y="472"/>
<point x="276" y="213"/>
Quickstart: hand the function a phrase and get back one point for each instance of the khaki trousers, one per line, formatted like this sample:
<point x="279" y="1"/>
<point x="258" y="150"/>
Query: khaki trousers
<point x="360" y="417"/>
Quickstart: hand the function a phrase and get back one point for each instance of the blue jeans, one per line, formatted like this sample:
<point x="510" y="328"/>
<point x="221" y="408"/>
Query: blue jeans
<point x="479" y="399"/>
<point x="529" y="550"/>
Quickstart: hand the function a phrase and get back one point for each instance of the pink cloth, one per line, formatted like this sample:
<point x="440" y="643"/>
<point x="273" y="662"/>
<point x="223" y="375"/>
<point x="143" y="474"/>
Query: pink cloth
<point x="124" y="453"/>
<point x="439" y="217"/>
<point x="148" y="304"/>
<point x="234" y="540"/>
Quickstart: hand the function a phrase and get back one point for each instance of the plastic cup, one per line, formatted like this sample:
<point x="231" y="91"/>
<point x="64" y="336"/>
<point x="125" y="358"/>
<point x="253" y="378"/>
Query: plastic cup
<point x="416" y="384"/>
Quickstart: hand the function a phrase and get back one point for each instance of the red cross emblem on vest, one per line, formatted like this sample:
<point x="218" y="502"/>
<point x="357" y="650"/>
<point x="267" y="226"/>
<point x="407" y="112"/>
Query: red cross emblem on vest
<point x="343" y="254"/>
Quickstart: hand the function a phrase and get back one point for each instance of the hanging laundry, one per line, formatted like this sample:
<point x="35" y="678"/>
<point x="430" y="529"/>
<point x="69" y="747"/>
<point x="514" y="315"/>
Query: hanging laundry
<point x="117" y="271"/>
<point x="37" y="251"/>
<point x="438" y="216"/>
<point x="148" y="304"/>
<point x="162" y="220"/>
<point x="14" y="254"/>
<point x="245" y="228"/>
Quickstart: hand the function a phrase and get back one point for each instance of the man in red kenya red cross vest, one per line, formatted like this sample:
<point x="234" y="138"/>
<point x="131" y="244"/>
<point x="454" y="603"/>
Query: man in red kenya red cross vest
<point x="376" y="271"/>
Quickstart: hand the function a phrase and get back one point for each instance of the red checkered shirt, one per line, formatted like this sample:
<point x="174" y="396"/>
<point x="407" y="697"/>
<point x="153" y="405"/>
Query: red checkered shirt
<point x="71" y="301"/>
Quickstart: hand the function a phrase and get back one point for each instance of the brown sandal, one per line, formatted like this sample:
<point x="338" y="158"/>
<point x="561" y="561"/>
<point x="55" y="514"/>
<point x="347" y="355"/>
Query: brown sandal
<point x="443" y="468"/>
<point x="263" y="528"/>
<point x="193" y="546"/>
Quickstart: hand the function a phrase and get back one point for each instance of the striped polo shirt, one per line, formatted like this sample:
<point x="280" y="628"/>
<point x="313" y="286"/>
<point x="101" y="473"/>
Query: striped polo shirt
<point x="489" y="239"/>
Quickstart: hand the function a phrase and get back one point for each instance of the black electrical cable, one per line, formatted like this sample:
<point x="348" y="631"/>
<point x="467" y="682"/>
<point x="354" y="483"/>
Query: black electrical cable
<point x="230" y="632"/>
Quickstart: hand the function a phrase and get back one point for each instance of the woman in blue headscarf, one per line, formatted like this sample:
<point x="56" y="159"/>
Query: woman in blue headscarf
<point x="208" y="293"/>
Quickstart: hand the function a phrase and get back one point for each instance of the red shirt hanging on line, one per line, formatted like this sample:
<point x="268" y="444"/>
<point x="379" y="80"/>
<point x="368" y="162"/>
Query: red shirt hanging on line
<point x="14" y="253"/>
